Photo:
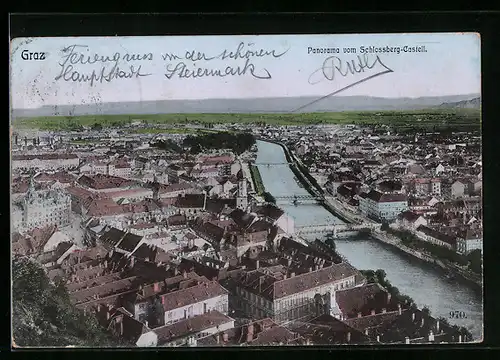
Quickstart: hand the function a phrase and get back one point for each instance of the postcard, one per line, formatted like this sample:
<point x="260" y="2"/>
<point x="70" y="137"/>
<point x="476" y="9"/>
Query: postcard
<point x="267" y="190"/>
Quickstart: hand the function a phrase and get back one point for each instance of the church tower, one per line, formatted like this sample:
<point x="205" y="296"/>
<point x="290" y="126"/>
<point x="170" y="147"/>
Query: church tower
<point x="242" y="198"/>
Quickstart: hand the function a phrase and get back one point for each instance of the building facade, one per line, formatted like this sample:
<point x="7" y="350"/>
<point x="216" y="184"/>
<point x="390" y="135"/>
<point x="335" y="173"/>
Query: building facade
<point x="382" y="207"/>
<point x="42" y="208"/>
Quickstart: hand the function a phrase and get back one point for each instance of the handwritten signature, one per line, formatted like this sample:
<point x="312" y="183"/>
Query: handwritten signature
<point x="333" y="67"/>
<point x="182" y="69"/>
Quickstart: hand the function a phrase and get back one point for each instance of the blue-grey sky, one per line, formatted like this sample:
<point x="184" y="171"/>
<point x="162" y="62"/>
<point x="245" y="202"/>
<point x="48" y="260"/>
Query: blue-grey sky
<point x="450" y="66"/>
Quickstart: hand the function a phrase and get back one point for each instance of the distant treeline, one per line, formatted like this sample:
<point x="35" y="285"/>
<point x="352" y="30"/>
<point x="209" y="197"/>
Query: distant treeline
<point x="237" y="142"/>
<point x="168" y="145"/>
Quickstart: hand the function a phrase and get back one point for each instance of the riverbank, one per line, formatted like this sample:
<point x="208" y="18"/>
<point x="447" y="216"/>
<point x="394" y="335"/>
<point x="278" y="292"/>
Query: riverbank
<point x="397" y="244"/>
<point x="475" y="282"/>
<point x="423" y="282"/>
<point x="257" y="180"/>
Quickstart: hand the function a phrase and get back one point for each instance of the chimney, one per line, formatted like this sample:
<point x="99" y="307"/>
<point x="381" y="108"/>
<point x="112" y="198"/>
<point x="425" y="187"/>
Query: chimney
<point x="348" y="336"/>
<point x="384" y="310"/>
<point x="389" y="298"/>
<point x="257" y="264"/>
<point x="372" y="312"/>
<point x="437" y="326"/>
<point x="399" y="309"/>
<point x="407" y="340"/>
<point x="225" y="337"/>
<point x="250" y="333"/>
<point x="431" y="336"/>
<point x="413" y="317"/>
<point x="359" y="314"/>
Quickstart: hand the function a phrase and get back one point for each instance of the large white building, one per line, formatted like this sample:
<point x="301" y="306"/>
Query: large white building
<point x="381" y="206"/>
<point x="285" y="295"/>
<point x="469" y="241"/>
<point x="41" y="208"/>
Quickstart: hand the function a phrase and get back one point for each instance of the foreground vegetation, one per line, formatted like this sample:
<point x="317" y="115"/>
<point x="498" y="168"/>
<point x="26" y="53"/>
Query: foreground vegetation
<point x="42" y="314"/>
<point x="418" y="118"/>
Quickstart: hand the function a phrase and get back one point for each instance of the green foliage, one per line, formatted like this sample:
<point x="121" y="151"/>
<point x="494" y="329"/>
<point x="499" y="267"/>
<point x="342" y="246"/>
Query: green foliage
<point x="257" y="180"/>
<point x="237" y="142"/>
<point x="331" y="244"/>
<point x="268" y="197"/>
<point x="475" y="260"/>
<point x="97" y="126"/>
<point x="168" y="145"/>
<point x="380" y="277"/>
<point x="436" y="119"/>
<point x="44" y="316"/>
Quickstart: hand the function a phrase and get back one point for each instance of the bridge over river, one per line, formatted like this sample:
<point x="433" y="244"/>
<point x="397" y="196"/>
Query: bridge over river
<point x="272" y="163"/>
<point x="335" y="229"/>
<point x="427" y="285"/>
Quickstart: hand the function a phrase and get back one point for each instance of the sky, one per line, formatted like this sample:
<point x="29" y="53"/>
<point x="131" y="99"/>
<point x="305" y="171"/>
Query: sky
<point x="450" y="66"/>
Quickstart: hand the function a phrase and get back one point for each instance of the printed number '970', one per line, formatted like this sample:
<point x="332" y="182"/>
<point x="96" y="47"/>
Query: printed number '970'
<point x="458" y="314"/>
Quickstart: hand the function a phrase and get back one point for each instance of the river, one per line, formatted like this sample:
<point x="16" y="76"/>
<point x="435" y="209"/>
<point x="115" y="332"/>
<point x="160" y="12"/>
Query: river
<point x="425" y="284"/>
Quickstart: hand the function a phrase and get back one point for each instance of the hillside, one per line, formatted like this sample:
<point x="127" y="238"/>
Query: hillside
<point x="42" y="314"/>
<point x="464" y="104"/>
<point x="249" y="105"/>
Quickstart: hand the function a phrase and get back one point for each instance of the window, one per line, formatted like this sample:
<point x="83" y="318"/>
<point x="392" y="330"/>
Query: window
<point x="204" y="308"/>
<point x="185" y="314"/>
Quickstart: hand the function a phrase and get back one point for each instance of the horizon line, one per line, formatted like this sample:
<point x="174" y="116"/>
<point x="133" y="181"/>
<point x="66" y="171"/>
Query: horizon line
<point x="254" y="98"/>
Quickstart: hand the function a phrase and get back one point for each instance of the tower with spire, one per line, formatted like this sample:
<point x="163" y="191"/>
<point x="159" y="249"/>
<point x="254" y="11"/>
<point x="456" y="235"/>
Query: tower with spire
<point x="242" y="198"/>
<point x="31" y="185"/>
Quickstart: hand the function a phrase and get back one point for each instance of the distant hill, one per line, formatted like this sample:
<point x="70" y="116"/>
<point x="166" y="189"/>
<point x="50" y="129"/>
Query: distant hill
<point x="464" y="104"/>
<point x="254" y="105"/>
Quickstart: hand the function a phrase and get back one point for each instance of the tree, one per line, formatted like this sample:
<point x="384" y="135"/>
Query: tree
<point x="475" y="260"/>
<point x="380" y="274"/>
<point x="43" y="315"/>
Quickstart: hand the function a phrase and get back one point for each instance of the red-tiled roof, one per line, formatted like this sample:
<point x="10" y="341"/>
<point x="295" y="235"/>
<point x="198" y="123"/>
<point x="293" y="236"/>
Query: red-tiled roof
<point x="204" y="291"/>
<point x="380" y="197"/>
<point x="190" y="326"/>
<point x="101" y="181"/>
<point x="44" y="157"/>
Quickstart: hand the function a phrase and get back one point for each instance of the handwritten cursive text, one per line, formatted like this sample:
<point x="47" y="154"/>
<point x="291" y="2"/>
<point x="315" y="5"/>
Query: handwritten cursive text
<point x="334" y="65"/>
<point x="75" y="56"/>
